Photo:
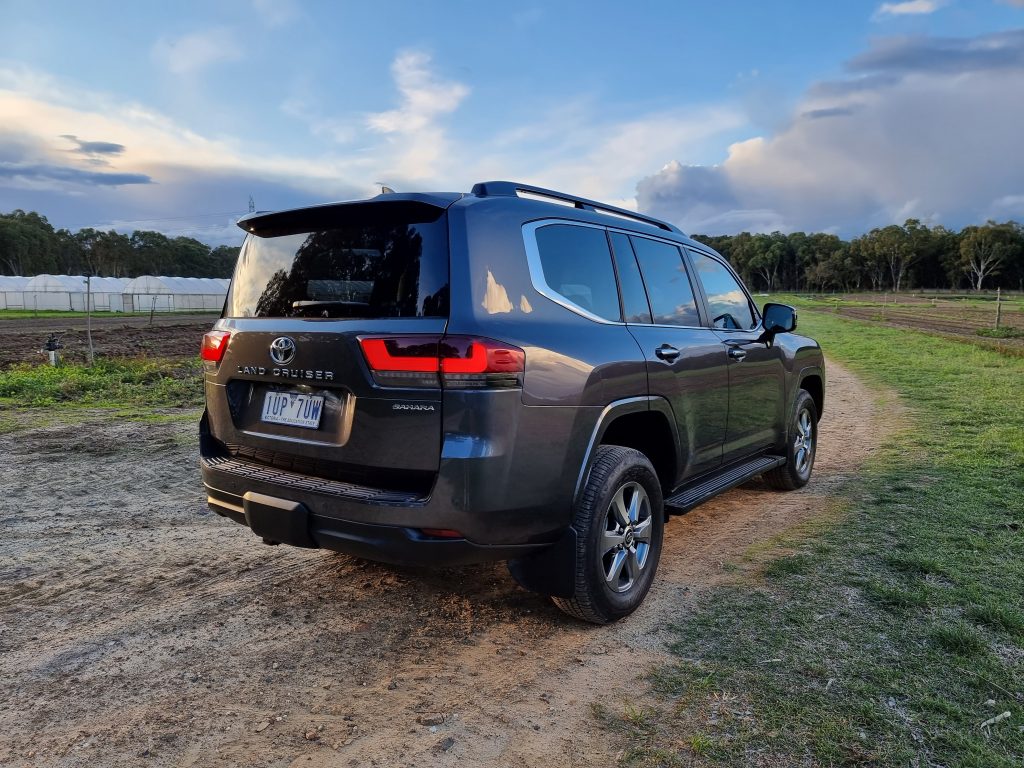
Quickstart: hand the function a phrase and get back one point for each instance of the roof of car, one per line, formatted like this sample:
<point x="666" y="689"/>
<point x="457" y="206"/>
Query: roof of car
<point x="428" y="206"/>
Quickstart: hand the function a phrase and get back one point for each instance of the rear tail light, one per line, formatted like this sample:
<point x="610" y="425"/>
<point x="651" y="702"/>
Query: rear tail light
<point x="456" y="362"/>
<point x="215" y="344"/>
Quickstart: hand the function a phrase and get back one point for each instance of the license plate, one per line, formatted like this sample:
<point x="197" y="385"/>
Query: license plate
<point x="293" y="408"/>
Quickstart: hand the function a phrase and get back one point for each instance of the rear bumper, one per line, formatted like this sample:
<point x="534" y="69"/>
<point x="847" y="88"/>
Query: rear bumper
<point x="505" y="481"/>
<point x="283" y="521"/>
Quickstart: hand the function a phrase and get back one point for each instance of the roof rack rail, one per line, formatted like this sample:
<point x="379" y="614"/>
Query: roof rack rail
<point x="513" y="188"/>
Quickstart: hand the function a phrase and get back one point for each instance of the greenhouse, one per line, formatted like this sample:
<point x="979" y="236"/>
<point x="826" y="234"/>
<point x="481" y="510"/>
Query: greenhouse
<point x="11" y="292"/>
<point x="107" y="293"/>
<point x="61" y="292"/>
<point x="113" y="294"/>
<point x="174" y="294"/>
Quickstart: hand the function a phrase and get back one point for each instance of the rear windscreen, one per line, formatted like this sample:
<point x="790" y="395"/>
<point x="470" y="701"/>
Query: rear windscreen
<point x="365" y="269"/>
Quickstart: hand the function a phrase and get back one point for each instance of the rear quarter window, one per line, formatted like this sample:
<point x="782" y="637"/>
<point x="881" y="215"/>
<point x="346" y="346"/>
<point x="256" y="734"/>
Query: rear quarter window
<point x="577" y="267"/>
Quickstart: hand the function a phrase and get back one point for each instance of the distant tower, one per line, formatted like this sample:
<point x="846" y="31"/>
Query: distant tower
<point x="252" y="205"/>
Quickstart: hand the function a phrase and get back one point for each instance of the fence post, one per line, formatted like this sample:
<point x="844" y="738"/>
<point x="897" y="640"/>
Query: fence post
<point x="152" y="309"/>
<point x="88" y="317"/>
<point x="999" y="306"/>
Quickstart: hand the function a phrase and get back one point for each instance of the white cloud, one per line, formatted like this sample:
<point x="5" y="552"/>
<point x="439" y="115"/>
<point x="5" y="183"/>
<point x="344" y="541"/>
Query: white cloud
<point x="275" y="13"/>
<point x="908" y="8"/>
<point x="196" y="51"/>
<point x="924" y="127"/>
<point x="415" y="129"/>
<point x="161" y="169"/>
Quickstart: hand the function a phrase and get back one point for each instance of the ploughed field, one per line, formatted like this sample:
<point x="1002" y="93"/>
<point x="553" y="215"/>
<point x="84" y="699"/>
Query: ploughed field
<point x="125" y="336"/>
<point x="962" y="319"/>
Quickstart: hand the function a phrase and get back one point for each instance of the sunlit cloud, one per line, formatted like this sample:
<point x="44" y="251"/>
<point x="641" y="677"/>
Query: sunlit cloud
<point x="908" y="8"/>
<point x="900" y="137"/>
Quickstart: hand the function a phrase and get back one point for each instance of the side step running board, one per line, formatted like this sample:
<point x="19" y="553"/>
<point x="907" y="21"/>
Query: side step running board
<point x="690" y="496"/>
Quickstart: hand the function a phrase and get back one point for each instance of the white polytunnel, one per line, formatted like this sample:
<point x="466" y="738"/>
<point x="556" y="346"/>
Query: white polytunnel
<point x="61" y="292"/>
<point x="174" y="294"/>
<point x="147" y="293"/>
<point x="107" y="293"/>
<point x="12" y="291"/>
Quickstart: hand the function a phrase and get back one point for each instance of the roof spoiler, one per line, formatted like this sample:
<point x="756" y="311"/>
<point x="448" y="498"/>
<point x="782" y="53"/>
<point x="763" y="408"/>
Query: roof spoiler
<point x="513" y="189"/>
<point x="411" y="207"/>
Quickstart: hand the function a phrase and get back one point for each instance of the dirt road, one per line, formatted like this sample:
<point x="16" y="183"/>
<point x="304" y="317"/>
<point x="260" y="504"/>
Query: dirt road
<point x="140" y="629"/>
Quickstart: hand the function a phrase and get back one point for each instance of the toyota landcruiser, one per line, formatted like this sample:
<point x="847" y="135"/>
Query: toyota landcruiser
<point x="511" y="374"/>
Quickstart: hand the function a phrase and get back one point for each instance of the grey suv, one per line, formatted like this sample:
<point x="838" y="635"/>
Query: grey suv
<point x="510" y="374"/>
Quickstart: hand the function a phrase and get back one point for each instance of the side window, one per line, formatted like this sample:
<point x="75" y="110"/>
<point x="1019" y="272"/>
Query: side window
<point x="730" y="308"/>
<point x="634" y="297"/>
<point x="577" y="265"/>
<point x="668" y="284"/>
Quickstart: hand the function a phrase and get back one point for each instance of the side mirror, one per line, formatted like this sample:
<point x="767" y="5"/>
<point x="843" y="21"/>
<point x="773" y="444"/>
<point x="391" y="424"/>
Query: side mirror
<point x="779" y="318"/>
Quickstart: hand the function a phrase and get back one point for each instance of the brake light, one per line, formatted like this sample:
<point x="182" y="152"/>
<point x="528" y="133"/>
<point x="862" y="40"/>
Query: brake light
<point x="411" y="355"/>
<point x="215" y="344"/>
<point x="481" y="356"/>
<point x="462" y="362"/>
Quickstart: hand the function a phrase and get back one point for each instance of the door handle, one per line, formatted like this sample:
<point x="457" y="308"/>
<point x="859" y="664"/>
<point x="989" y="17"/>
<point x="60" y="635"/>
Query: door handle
<point x="667" y="352"/>
<point x="736" y="353"/>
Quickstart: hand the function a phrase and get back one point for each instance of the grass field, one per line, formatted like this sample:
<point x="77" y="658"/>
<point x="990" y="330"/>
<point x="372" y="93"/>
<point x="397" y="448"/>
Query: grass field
<point x="890" y="637"/>
<point x="114" y="383"/>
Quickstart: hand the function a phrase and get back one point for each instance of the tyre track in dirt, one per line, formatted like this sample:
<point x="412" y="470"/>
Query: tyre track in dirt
<point x="140" y="629"/>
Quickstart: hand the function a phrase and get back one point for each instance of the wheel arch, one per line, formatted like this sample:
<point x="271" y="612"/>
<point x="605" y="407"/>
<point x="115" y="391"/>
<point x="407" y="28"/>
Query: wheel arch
<point x="645" y="424"/>
<point x="813" y="380"/>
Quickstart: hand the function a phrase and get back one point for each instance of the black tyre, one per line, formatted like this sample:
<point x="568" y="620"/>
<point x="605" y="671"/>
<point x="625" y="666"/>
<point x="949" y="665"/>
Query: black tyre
<point x="801" y="444"/>
<point x="620" y="523"/>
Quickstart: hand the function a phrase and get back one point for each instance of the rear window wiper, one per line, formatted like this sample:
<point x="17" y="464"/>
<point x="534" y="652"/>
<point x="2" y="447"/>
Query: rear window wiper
<point x="348" y="309"/>
<point x="331" y="303"/>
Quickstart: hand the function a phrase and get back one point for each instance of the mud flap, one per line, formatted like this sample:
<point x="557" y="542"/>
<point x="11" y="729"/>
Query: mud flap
<point x="551" y="571"/>
<point x="278" y="520"/>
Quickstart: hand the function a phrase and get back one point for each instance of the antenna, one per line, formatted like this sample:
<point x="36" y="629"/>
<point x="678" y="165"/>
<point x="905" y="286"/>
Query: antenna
<point x="384" y="188"/>
<point x="252" y="205"/>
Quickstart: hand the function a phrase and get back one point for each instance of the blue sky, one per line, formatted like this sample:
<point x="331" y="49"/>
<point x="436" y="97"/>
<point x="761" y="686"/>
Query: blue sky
<point x="718" y="116"/>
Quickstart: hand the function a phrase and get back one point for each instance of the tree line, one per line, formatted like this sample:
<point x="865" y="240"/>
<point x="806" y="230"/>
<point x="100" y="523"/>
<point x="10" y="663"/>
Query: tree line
<point x="896" y="257"/>
<point x="893" y="258"/>
<point x="29" y="245"/>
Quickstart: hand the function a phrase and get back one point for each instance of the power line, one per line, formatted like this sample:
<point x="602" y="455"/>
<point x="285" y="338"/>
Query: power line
<point x="181" y="218"/>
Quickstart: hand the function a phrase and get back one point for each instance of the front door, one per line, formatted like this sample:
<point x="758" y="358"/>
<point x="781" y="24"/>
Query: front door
<point x="757" y="381"/>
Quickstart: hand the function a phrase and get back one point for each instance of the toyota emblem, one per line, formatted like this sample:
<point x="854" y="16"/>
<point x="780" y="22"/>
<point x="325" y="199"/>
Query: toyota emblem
<point x="282" y="350"/>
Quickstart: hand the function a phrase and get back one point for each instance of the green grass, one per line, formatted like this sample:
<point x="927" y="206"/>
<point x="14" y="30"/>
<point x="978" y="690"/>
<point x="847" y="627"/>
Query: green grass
<point x="880" y="640"/>
<point x="109" y="383"/>
<point x="1001" y="333"/>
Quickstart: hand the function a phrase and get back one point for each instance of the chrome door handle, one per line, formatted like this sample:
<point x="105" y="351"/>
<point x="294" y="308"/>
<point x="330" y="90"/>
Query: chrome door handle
<point x="667" y="352"/>
<point x="736" y="353"/>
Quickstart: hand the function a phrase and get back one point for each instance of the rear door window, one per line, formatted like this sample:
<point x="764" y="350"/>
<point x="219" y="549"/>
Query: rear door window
<point x="634" y="296"/>
<point x="577" y="267"/>
<point x="668" y="283"/>
<point x="386" y="267"/>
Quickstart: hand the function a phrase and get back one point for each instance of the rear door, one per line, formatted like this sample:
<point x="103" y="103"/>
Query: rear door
<point x="756" y="372"/>
<point x="686" y="361"/>
<point x="335" y="315"/>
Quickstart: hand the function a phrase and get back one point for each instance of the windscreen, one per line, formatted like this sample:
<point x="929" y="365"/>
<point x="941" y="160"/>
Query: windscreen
<point x="385" y="267"/>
